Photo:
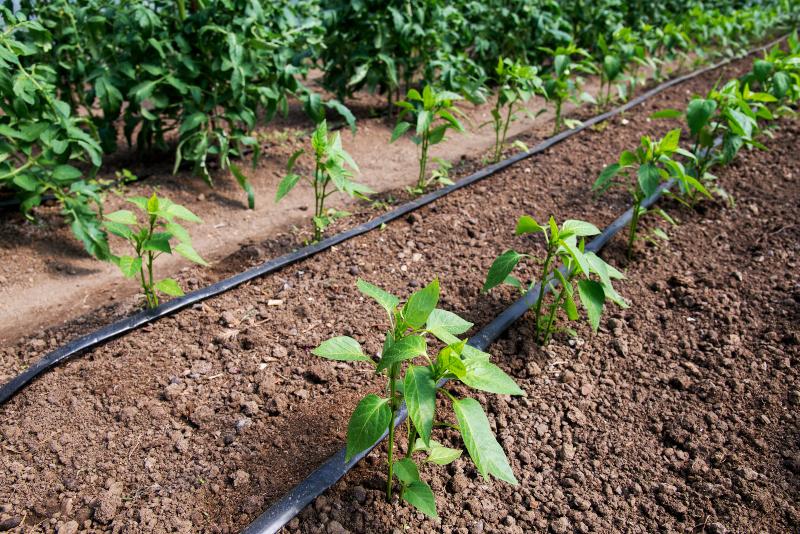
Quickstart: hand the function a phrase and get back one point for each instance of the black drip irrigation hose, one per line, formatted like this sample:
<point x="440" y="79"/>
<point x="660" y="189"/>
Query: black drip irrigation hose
<point x="128" y="324"/>
<point x="325" y="476"/>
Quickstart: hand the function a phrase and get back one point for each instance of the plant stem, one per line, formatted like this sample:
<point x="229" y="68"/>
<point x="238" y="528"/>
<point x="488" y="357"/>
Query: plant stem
<point x="497" y="127"/>
<point x="423" y="161"/>
<point x="505" y="133"/>
<point x="633" y="227"/>
<point x="552" y="317"/>
<point x="545" y="272"/>
<point x="181" y="9"/>
<point x="392" y="391"/>
<point x="558" y="117"/>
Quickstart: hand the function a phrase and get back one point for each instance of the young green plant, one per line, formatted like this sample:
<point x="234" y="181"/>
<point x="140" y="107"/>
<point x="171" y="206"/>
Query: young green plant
<point x="431" y="114"/>
<point x="585" y="270"/>
<point x="643" y="171"/>
<point x="417" y="376"/>
<point x="516" y="84"/>
<point x="721" y="124"/>
<point x="561" y="84"/>
<point x="151" y="239"/>
<point x="331" y="174"/>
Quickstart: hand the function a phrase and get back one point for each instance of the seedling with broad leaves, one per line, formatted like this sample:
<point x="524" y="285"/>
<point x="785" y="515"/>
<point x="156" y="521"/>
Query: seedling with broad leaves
<point x="150" y="239"/>
<point x="642" y="171"/>
<point x="416" y="375"/>
<point x="778" y="74"/>
<point x="579" y="269"/>
<point x="562" y="84"/>
<point x="721" y="124"/>
<point x="516" y="84"/>
<point x="331" y="174"/>
<point x="431" y="114"/>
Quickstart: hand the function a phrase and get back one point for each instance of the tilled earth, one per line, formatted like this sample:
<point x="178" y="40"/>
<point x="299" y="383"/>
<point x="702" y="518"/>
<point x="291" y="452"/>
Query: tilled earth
<point x="679" y="415"/>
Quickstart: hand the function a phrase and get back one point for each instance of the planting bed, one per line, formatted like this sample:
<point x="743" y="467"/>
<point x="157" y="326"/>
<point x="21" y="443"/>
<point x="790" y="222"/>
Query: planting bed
<point x="201" y="420"/>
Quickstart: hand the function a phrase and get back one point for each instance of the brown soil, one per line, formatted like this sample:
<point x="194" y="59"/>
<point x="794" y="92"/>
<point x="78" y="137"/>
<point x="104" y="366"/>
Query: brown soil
<point x="47" y="279"/>
<point x="191" y="424"/>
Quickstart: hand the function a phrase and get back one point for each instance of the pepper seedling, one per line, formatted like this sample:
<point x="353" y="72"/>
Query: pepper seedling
<point x="729" y="114"/>
<point x="585" y="270"/>
<point x="406" y="348"/>
<point x="150" y="240"/>
<point x="330" y="168"/>
<point x="644" y="170"/>
<point x="432" y="113"/>
<point x="516" y="84"/>
<point x="561" y="85"/>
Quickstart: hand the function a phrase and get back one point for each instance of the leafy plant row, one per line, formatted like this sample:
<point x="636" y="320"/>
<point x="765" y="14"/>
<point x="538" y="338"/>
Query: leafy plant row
<point x="200" y="76"/>
<point x="423" y="352"/>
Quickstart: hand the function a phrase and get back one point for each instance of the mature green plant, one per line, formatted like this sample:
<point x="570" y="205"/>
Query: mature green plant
<point x="202" y="76"/>
<point x="44" y="148"/>
<point x="431" y="114"/>
<point x="561" y="84"/>
<point x="330" y="169"/>
<point x="151" y="239"/>
<point x="642" y="172"/>
<point x="584" y="270"/>
<point x="406" y="342"/>
<point x="516" y="84"/>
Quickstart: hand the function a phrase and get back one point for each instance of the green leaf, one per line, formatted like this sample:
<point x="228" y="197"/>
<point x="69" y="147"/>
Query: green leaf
<point x="178" y="231"/>
<point x="286" y="185"/>
<point x="443" y="455"/>
<point x="669" y="143"/>
<point x="170" y="287"/>
<point x="118" y="229"/>
<point x="244" y="183"/>
<point x="400" y="130"/>
<point x="176" y="210"/>
<point x="26" y="182"/>
<point x="403" y="349"/>
<point x="192" y="122"/>
<point x="419" y="495"/>
<point x="648" y="177"/>
<point x="593" y="298"/>
<point x="122" y="217"/>
<point x="419" y="390"/>
<point x="406" y="471"/>
<point x="486" y="376"/>
<point x="481" y="444"/>
<point x="341" y="348"/>
<point x="186" y="250"/>
<point x="602" y="182"/>
<point x="129" y="266"/>
<point x="158" y="243"/>
<point x="527" y="225"/>
<point x="369" y="421"/>
<point x="501" y="268"/>
<point x="579" y="228"/>
<point x="667" y="114"/>
<point x="386" y="300"/>
<point x="448" y="321"/>
<point x="627" y="158"/>
<point x="698" y="114"/>
<point x="66" y="173"/>
<point x="420" y="305"/>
